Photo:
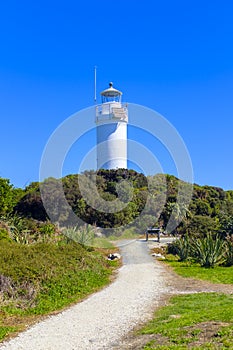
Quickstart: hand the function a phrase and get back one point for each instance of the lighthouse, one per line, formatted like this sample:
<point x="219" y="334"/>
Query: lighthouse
<point x="111" y="129"/>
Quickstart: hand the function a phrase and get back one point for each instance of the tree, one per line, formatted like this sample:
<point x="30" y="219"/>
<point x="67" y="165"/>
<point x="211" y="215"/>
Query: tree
<point x="226" y="225"/>
<point x="199" y="226"/>
<point x="6" y="196"/>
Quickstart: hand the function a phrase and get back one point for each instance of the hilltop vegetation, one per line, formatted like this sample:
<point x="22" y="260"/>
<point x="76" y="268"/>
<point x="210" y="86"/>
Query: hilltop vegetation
<point x="148" y="201"/>
<point x="123" y="200"/>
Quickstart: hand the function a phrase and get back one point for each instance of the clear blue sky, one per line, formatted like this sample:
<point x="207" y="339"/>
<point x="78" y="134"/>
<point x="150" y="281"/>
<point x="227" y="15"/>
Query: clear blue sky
<point x="172" y="56"/>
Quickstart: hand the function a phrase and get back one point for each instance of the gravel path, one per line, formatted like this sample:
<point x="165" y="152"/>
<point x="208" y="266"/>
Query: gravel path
<point x="100" y="321"/>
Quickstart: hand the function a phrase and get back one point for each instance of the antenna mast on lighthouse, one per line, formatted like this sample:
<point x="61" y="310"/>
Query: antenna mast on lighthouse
<point x="95" y="84"/>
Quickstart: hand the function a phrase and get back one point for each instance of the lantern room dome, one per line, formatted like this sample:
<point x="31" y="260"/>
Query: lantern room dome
<point x="111" y="94"/>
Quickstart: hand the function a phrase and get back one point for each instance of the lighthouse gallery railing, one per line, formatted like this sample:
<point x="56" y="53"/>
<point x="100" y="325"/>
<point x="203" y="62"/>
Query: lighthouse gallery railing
<point x="111" y="111"/>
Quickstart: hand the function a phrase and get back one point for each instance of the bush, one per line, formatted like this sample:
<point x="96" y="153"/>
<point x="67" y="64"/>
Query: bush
<point x="229" y="252"/>
<point x="180" y="247"/>
<point x="4" y="235"/>
<point x="209" y="251"/>
<point x="83" y="235"/>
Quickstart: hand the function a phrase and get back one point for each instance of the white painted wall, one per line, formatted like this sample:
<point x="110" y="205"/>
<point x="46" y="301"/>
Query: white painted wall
<point x="112" y="145"/>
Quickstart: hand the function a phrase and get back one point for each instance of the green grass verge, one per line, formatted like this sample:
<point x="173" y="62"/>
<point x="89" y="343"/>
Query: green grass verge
<point x="218" y="274"/>
<point x="102" y="242"/>
<point x="41" y="278"/>
<point x="4" y="331"/>
<point x="195" y="321"/>
<point x="125" y="234"/>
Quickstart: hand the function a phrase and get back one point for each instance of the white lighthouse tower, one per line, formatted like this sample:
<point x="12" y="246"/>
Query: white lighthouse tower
<point x="111" y="126"/>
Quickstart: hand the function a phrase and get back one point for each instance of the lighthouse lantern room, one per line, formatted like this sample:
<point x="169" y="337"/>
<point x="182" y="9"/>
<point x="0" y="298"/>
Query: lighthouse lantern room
<point x="111" y="127"/>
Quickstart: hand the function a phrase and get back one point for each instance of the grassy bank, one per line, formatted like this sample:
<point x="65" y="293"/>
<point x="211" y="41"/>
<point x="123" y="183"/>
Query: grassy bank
<point x="40" y="279"/>
<point x="196" y="321"/>
<point x="219" y="274"/>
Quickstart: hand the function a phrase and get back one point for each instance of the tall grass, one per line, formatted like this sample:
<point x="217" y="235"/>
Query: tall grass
<point x="209" y="251"/>
<point x="83" y="235"/>
<point x="181" y="247"/>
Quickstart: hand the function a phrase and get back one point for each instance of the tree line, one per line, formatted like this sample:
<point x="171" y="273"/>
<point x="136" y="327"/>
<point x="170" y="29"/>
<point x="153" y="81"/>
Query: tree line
<point x="116" y="199"/>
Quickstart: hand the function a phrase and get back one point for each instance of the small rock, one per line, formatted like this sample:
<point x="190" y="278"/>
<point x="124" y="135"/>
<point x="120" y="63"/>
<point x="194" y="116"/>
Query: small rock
<point x="175" y="316"/>
<point x="114" y="256"/>
<point x="158" y="255"/>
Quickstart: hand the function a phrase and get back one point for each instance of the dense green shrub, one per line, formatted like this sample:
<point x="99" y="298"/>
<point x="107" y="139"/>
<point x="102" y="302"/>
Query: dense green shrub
<point x="83" y="235"/>
<point x="6" y="196"/>
<point x="181" y="247"/>
<point x="229" y="252"/>
<point x="210" y="210"/>
<point x="208" y="251"/>
<point x="4" y="235"/>
<point x="200" y="225"/>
